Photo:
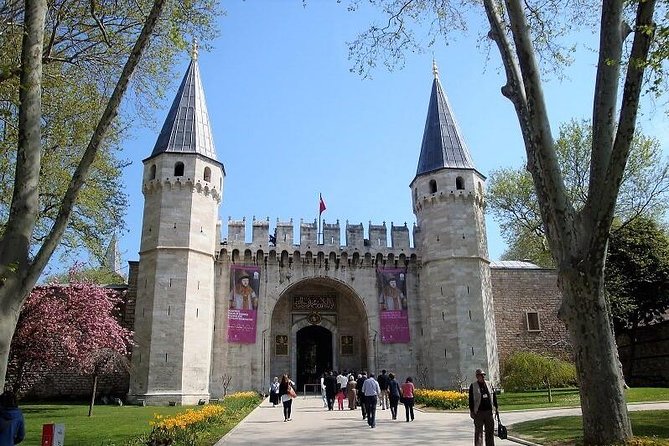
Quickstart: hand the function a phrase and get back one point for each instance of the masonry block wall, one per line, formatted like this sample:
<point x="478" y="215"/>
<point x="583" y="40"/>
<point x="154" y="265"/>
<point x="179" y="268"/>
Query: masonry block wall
<point x="517" y="292"/>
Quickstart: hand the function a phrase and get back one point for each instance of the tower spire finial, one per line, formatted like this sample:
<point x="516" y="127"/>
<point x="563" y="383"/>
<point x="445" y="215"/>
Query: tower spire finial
<point x="435" y="69"/>
<point x="193" y="53"/>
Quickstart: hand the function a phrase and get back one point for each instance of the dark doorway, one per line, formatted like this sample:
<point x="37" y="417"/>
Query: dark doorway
<point x="314" y="354"/>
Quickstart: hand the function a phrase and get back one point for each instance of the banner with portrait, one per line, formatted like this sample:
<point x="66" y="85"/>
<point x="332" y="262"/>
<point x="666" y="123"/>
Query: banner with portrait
<point x="243" y="303"/>
<point x="394" y="318"/>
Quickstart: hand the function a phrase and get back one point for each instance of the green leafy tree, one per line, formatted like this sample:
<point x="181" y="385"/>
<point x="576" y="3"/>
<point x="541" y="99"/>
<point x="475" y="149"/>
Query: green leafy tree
<point x="637" y="278"/>
<point x="91" y="51"/>
<point x="531" y="37"/>
<point x="513" y="203"/>
<point x="83" y="54"/>
<point x="530" y="371"/>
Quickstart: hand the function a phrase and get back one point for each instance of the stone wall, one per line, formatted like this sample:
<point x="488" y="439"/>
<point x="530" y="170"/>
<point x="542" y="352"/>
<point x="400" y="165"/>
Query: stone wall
<point x="646" y="362"/>
<point x="517" y="291"/>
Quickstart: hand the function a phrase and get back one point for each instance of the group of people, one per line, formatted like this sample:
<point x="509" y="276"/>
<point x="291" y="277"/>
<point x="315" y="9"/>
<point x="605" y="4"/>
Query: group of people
<point x="368" y="392"/>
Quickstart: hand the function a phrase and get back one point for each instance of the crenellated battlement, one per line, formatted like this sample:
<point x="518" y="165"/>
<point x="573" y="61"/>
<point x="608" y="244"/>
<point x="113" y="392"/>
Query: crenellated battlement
<point x="330" y="246"/>
<point x="454" y="196"/>
<point x="198" y="186"/>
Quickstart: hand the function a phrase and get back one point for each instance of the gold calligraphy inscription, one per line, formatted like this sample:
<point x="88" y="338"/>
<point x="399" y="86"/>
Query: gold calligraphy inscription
<point x="314" y="303"/>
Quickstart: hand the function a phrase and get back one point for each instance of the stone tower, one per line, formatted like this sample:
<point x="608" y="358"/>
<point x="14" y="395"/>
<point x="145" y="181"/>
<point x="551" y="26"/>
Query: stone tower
<point x="455" y="289"/>
<point x="174" y="313"/>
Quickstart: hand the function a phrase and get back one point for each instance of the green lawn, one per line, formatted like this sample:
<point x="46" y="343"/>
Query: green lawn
<point x="649" y="427"/>
<point x="113" y="425"/>
<point x="570" y="398"/>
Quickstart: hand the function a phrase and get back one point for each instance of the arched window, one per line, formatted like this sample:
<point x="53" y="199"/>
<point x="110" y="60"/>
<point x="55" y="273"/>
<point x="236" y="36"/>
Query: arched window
<point x="460" y="183"/>
<point x="179" y="169"/>
<point x="152" y="172"/>
<point x="207" y="174"/>
<point x="433" y="187"/>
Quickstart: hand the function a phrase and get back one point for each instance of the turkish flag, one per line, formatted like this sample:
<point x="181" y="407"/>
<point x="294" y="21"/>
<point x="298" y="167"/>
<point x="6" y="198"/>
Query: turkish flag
<point x="321" y="205"/>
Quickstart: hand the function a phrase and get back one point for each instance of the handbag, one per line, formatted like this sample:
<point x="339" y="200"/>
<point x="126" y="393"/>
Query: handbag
<point x="501" y="429"/>
<point x="291" y="392"/>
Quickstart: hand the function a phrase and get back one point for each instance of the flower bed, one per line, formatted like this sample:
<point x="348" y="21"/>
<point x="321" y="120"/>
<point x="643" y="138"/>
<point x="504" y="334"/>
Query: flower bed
<point x="441" y="399"/>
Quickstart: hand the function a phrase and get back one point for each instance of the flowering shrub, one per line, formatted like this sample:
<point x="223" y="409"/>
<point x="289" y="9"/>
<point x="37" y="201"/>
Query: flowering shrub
<point x="182" y="429"/>
<point x="441" y="399"/>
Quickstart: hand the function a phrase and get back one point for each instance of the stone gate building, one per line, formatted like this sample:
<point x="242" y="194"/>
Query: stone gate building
<point x="208" y="310"/>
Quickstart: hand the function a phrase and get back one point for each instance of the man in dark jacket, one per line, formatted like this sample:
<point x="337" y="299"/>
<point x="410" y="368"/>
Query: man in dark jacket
<point x="482" y="399"/>
<point x="383" y="384"/>
<point x="330" y="389"/>
<point x="361" y="397"/>
<point x="12" y="428"/>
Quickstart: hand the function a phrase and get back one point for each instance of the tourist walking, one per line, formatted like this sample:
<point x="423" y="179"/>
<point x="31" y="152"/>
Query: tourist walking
<point x="274" y="392"/>
<point x="482" y="399"/>
<point x="383" y="385"/>
<point x="371" y="390"/>
<point x="12" y="425"/>
<point x="351" y="393"/>
<point x="361" y="396"/>
<point x="393" y="394"/>
<point x="330" y="389"/>
<point x="407" y="397"/>
<point x="286" y="394"/>
<point x="325" y="400"/>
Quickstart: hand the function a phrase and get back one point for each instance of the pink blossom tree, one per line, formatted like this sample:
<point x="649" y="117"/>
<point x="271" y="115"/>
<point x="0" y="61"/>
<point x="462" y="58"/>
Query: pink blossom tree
<point x="73" y="327"/>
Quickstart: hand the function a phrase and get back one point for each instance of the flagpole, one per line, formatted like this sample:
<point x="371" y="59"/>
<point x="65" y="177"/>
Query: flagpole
<point x="320" y="217"/>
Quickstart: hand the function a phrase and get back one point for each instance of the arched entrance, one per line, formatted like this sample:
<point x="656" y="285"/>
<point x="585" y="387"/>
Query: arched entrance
<point x="314" y="354"/>
<point x="318" y="324"/>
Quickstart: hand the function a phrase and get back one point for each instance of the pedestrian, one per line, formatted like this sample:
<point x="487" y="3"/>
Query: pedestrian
<point x="340" y="398"/>
<point x="325" y="400"/>
<point x="383" y="385"/>
<point x="352" y="393"/>
<point x="361" y="396"/>
<point x="371" y="390"/>
<point x="482" y="399"/>
<point x="330" y="389"/>
<point x="12" y="427"/>
<point x="393" y="394"/>
<point x="407" y="397"/>
<point x="342" y="382"/>
<point x="274" y="392"/>
<point x="286" y="393"/>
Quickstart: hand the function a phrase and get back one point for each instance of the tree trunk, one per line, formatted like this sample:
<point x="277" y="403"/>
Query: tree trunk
<point x="95" y="390"/>
<point x="585" y="313"/>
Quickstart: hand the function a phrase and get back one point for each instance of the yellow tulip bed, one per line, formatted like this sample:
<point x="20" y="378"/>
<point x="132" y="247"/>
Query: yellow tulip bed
<point x="184" y="428"/>
<point x="441" y="399"/>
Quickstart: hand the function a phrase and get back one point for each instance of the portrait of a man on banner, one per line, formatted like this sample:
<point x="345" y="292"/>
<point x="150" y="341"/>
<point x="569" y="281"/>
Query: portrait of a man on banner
<point x="243" y="303"/>
<point x="393" y="313"/>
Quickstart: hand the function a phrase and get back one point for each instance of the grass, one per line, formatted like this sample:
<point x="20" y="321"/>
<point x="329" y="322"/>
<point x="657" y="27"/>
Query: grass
<point x="649" y="427"/>
<point x="570" y="398"/>
<point x="113" y="425"/>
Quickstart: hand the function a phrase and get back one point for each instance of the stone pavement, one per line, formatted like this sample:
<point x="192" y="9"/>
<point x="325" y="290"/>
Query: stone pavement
<point x="314" y="425"/>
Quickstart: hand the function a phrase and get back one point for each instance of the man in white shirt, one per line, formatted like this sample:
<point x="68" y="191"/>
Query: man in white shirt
<point x="341" y="382"/>
<point x="371" y="391"/>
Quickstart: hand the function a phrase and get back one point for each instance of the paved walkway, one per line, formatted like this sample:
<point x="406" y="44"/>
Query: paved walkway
<point x="313" y="425"/>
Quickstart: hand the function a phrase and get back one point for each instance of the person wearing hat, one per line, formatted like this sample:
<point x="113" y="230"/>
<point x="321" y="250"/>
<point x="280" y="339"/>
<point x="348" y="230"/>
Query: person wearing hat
<point x="243" y="296"/>
<point x="482" y="399"/>
<point x="392" y="297"/>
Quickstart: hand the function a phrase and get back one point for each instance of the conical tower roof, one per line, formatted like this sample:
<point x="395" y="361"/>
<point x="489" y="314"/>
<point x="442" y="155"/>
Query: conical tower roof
<point x="443" y="145"/>
<point x="186" y="128"/>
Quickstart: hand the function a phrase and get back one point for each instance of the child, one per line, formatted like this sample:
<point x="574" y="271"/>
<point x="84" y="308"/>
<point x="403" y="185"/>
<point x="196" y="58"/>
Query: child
<point x="340" y="399"/>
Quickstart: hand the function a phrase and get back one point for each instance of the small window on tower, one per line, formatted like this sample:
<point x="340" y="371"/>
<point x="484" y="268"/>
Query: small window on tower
<point x="460" y="183"/>
<point x="533" y="321"/>
<point x="179" y="169"/>
<point x="433" y="187"/>
<point x="207" y="174"/>
<point x="152" y="172"/>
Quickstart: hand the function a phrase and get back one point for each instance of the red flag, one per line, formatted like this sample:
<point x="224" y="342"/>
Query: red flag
<point x="322" y="204"/>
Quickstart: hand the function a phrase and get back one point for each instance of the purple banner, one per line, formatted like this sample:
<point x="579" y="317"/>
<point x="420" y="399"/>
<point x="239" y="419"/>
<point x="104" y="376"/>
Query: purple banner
<point x="243" y="309"/>
<point x="394" y="318"/>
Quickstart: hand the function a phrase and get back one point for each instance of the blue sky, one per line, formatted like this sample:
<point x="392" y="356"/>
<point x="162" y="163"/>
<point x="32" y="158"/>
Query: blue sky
<point x="291" y="121"/>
